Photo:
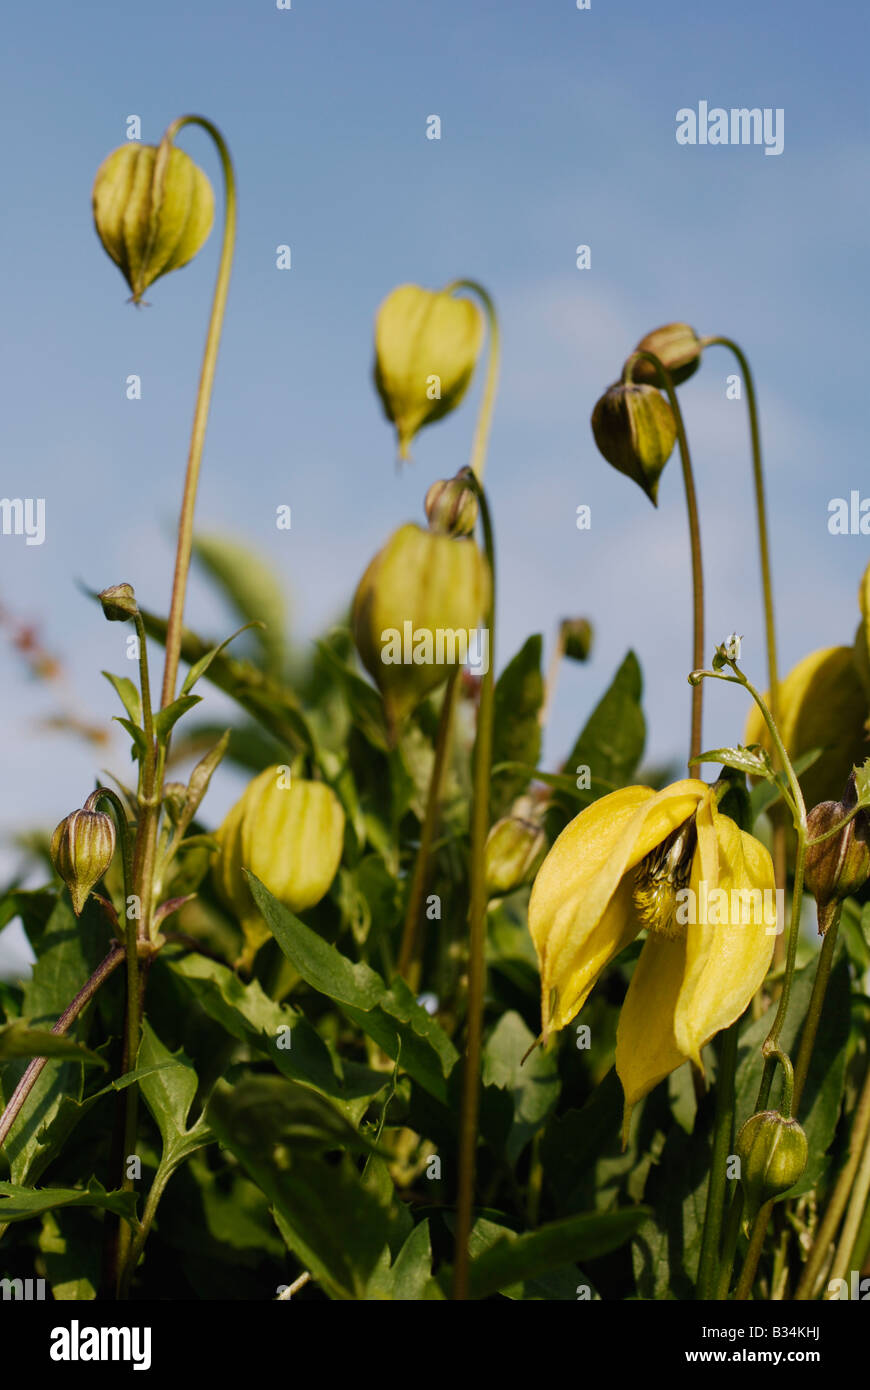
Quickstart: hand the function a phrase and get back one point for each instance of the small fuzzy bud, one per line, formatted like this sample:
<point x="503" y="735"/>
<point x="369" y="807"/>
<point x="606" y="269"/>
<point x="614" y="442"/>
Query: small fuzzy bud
<point x="451" y="507"/>
<point x="513" y="852"/>
<point x="678" y="348"/>
<point x="82" y="847"/>
<point x="773" y="1155"/>
<point x="119" y="603"/>
<point x="839" y="865"/>
<point x="635" y="430"/>
<point x="576" y="638"/>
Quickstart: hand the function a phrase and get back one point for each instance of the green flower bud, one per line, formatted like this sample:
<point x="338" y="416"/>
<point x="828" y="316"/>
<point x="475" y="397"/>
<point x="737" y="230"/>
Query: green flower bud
<point x="576" y="638"/>
<point x="152" y="214"/>
<point x="839" y="865"/>
<point x="426" y="347"/>
<point x="451" y="507"/>
<point x="289" y="833"/>
<point x="414" y="613"/>
<point x="174" y="799"/>
<point x="82" y="847"/>
<point x="513" y="853"/>
<point x="773" y="1154"/>
<point x="635" y="430"/>
<point x="119" y="603"/>
<point x="678" y="348"/>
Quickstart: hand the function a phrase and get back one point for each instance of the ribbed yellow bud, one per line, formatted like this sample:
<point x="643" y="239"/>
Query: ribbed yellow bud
<point x="635" y="430"/>
<point x="287" y="831"/>
<point x="513" y="853"/>
<point x="677" y="347"/>
<point x="151" y="214"/>
<point x="415" y="612"/>
<point x="82" y="847"/>
<point x="426" y="346"/>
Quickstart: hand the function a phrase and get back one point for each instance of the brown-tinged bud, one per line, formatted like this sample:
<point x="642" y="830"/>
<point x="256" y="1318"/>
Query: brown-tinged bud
<point x="839" y="865"/>
<point x="678" y="348"/>
<point x="513" y="853"/>
<point x="153" y="210"/>
<point x="119" y="603"/>
<point x="451" y="506"/>
<point x="577" y="637"/>
<point x="82" y="847"/>
<point x="773" y="1155"/>
<point x="416" y="612"/>
<point x="426" y="348"/>
<point x="635" y="430"/>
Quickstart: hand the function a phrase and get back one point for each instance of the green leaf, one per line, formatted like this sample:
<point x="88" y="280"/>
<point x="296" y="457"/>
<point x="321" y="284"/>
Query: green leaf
<point x="18" y="1039"/>
<point x="165" y="719"/>
<point x="392" y="1017"/>
<point x="71" y="1254"/>
<point x="667" y="1246"/>
<point x="518" y="695"/>
<point x="752" y="760"/>
<point x="335" y="1225"/>
<point x="612" y="742"/>
<point x="140" y="742"/>
<point x="251" y="587"/>
<point x="277" y="1032"/>
<point x="129" y="696"/>
<point x="533" y="1086"/>
<point x="23" y="1203"/>
<point x="409" y="1278"/>
<point x="200" y="667"/>
<point x="168" y="1091"/>
<point x="513" y="1259"/>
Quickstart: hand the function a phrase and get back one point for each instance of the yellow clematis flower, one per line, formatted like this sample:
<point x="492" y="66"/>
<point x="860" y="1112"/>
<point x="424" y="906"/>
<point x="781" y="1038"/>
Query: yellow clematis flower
<point x="670" y="863"/>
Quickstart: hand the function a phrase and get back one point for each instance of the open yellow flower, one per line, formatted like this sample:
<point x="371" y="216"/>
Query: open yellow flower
<point x="669" y="862"/>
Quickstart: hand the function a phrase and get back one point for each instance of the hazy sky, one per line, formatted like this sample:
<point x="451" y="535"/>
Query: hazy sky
<point x="558" y="128"/>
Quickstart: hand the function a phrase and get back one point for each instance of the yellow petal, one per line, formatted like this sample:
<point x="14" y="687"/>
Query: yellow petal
<point x="729" y="947"/>
<point x="823" y="704"/>
<point x="646" y="1048"/>
<point x="577" y="917"/>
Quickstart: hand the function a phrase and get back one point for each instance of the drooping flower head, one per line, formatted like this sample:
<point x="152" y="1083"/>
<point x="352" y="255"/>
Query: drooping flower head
<point x="703" y="889"/>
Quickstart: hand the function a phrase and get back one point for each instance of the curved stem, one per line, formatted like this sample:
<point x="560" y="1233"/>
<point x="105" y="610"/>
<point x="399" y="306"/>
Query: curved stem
<point x="408" y="954"/>
<point x="477" y="932"/>
<point x="69" y="1015"/>
<point x="203" y="401"/>
<point x="814" y="1011"/>
<point x="484" y="420"/>
<point x="722" y="1136"/>
<point x="761" y="511"/>
<point x="694" y="536"/>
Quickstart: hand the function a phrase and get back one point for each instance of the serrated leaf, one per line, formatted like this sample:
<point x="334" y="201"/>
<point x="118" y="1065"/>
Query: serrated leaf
<point x="18" y="1039"/>
<point x="168" y="1091"/>
<point x="334" y="1224"/>
<point x="753" y="763"/>
<point x="23" y="1203"/>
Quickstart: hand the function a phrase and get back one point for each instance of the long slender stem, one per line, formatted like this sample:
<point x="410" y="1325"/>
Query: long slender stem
<point x="814" y="1011"/>
<point x="722" y="1136"/>
<point x="837" y="1203"/>
<point x="477" y="462"/>
<point x="694" y="537"/>
<point x="477" y="943"/>
<point x="854" y="1215"/>
<point x="203" y="401"/>
<point x="408" y="953"/>
<point x="69" y="1015"/>
<point x="729" y="1243"/>
<point x="137" y="1244"/>
<point x="753" y="1254"/>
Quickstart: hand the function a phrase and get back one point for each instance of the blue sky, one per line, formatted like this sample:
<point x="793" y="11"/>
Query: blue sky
<point x="558" y="128"/>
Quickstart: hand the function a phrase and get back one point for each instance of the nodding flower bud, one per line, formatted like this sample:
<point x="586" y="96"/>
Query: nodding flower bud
<point x="119" y="603"/>
<point x="82" y="847"/>
<point x="576" y="638"/>
<point x="415" y="615"/>
<point x="839" y="865"/>
<point x="678" y="348"/>
<point x="773" y="1155"/>
<point x="153" y="210"/>
<point x="426" y="347"/>
<point x="635" y="430"/>
<point x="451" y="507"/>
<point x="513" y="854"/>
